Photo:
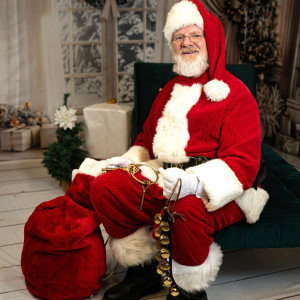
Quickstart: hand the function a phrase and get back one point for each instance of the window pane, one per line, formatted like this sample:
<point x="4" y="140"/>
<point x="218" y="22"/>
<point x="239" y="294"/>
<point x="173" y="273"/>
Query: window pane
<point x="131" y="3"/>
<point x="128" y="54"/>
<point x="87" y="58"/>
<point x="94" y="3"/>
<point x="151" y="25"/>
<point x="125" y="88"/>
<point x="151" y="3"/>
<point x="64" y="28"/>
<point x="76" y="3"/>
<point x="68" y="85"/>
<point x="149" y="53"/>
<point x="62" y="3"/>
<point x="86" y="25"/>
<point x="88" y="90"/>
<point x="66" y="56"/>
<point x="130" y="26"/>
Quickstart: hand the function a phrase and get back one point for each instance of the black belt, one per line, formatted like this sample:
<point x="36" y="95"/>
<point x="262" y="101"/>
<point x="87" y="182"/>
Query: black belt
<point x="193" y="162"/>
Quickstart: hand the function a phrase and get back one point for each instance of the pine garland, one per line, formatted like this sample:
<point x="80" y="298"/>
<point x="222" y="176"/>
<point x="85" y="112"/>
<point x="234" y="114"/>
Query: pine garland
<point x="101" y="3"/>
<point x="257" y="38"/>
<point x="258" y="44"/>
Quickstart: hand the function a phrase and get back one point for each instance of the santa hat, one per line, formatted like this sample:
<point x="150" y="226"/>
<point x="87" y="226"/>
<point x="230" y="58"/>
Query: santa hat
<point x="192" y="12"/>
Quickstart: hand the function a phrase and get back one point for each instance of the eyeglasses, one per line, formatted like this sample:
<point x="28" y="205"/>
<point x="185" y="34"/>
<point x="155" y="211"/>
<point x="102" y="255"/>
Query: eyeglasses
<point x="194" y="38"/>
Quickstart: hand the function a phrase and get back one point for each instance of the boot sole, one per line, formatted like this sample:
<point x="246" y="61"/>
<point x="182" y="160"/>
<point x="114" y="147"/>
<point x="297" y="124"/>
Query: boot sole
<point x="147" y="292"/>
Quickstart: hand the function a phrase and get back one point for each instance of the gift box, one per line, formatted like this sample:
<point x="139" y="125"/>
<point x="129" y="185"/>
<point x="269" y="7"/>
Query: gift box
<point x="107" y="129"/>
<point x="20" y="139"/>
<point x="287" y="144"/>
<point x="48" y="135"/>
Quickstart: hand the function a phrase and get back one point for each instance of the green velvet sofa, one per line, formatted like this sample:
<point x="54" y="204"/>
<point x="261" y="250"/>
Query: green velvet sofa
<point x="279" y="224"/>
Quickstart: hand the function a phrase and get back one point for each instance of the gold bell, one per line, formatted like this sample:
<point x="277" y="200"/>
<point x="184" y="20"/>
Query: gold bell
<point x="159" y="246"/>
<point x="158" y="219"/>
<point x="164" y="239"/>
<point x="157" y="232"/>
<point x="165" y="226"/>
<point x="174" y="291"/>
<point x="167" y="281"/>
<point x="164" y="253"/>
<point x="164" y="266"/>
<point x="159" y="270"/>
<point x="158" y="256"/>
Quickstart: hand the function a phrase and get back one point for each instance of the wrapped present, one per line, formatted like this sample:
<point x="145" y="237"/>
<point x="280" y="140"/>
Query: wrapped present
<point x="48" y="135"/>
<point x="20" y="139"/>
<point x="1" y="129"/>
<point x="108" y="129"/>
<point x="287" y="144"/>
<point x="35" y="135"/>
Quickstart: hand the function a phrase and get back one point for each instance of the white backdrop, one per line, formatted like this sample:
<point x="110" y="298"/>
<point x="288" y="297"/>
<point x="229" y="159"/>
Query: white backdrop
<point x="30" y="55"/>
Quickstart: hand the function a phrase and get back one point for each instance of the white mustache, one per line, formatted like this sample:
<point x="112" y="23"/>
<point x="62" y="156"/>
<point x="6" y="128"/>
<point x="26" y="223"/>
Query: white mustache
<point x="187" y="50"/>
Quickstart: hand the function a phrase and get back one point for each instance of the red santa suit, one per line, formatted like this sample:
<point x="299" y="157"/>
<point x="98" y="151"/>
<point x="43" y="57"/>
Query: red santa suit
<point x="214" y="116"/>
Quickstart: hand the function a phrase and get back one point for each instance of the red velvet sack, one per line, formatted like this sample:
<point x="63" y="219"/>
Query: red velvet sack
<point x="63" y="254"/>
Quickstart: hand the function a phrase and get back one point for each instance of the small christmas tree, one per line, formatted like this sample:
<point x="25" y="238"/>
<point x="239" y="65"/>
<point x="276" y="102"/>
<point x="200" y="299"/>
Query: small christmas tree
<point x="67" y="153"/>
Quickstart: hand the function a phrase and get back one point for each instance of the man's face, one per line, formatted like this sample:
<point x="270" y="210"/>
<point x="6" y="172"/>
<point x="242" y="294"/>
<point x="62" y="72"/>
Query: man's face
<point x="189" y="51"/>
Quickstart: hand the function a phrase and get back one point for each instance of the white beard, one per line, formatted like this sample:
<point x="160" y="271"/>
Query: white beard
<point x="190" y="67"/>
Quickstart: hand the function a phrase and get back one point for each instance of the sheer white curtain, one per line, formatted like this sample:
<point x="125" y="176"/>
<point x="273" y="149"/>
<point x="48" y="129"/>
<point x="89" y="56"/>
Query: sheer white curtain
<point x="31" y="66"/>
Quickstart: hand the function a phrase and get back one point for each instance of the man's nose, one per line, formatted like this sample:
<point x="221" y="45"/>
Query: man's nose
<point x="186" y="41"/>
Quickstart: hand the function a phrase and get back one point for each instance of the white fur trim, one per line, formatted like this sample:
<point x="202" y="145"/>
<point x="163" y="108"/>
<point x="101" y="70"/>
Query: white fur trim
<point x="134" y="249"/>
<point x="137" y="154"/>
<point x="252" y="202"/>
<point x="219" y="183"/>
<point x="74" y="173"/>
<point x="172" y="128"/>
<point x="182" y="14"/>
<point x="216" y="90"/>
<point x="196" y="278"/>
<point x="92" y="167"/>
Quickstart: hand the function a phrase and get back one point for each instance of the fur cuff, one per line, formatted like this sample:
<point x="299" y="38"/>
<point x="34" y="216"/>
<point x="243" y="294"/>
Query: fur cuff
<point x="216" y="90"/>
<point x="134" y="249"/>
<point x="91" y="167"/>
<point x="137" y="154"/>
<point x="196" y="278"/>
<point x="252" y="203"/>
<point x="219" y="183"/>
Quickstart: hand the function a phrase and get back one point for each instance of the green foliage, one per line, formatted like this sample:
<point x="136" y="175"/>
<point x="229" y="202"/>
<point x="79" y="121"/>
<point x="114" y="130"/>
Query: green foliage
<point x="66" y="154"/>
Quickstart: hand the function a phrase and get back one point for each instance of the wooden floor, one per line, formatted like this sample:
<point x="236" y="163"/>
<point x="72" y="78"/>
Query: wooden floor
<point x="256" y="274"/>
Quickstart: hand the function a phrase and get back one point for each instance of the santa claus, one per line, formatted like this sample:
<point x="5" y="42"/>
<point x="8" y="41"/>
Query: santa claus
<point x="203" y="128"/>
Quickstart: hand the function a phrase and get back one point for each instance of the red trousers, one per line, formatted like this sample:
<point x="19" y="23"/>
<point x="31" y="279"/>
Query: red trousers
<point x="116" y="196"/>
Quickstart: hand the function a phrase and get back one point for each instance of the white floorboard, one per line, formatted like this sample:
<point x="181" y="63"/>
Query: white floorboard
<point x="28" y="185"/>
<point x="253" y="274"/>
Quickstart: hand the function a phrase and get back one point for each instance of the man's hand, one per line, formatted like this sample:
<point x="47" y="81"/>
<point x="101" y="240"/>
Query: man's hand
<point x="119" y="162"/>
<point x="189" y="182"/>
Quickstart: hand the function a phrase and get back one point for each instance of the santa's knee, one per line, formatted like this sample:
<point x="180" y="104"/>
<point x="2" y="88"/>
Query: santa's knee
<point x="192" y="232"/>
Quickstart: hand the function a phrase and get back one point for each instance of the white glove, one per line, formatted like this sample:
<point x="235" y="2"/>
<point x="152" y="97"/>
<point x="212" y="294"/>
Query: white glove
<point x="190" y="184"/>
<point x="92" y="167"/>
<point x="119" y="161"/>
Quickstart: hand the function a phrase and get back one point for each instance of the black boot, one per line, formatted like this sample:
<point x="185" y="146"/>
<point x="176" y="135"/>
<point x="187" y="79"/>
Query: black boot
<point x="183" y="295"/>
<point x="138" y="282"/>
